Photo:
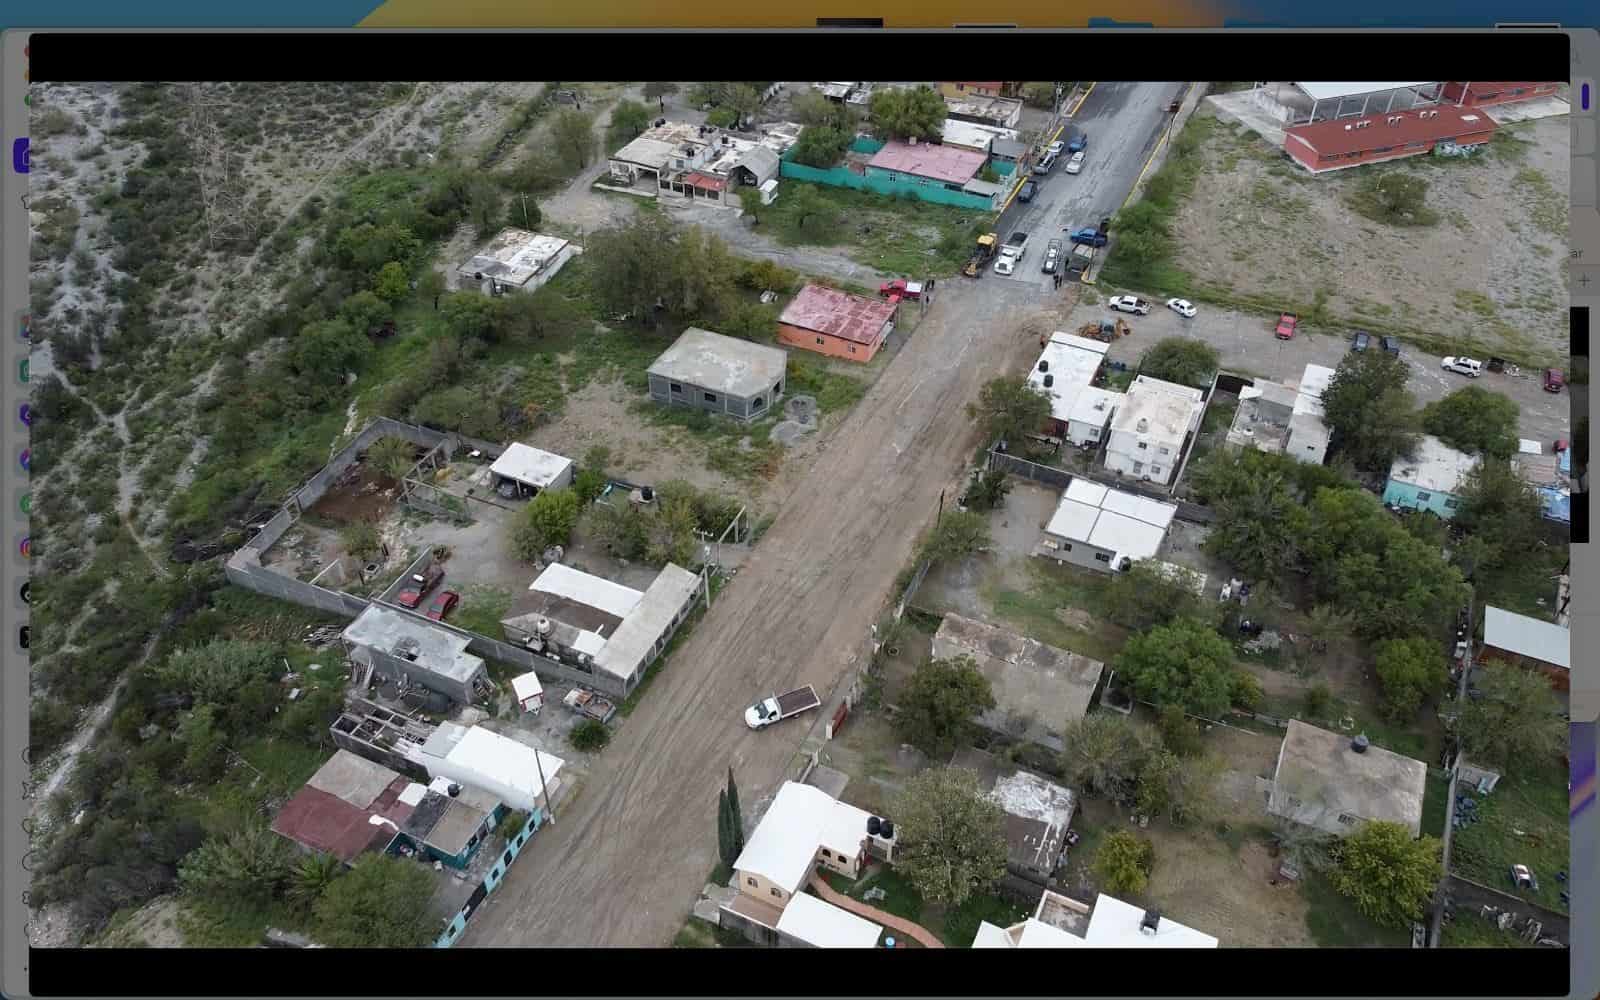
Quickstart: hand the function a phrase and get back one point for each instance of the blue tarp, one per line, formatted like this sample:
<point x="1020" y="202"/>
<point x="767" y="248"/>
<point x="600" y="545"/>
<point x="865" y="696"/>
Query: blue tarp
<point x="1557" y="504"/>
<point x="1566" y="461"/>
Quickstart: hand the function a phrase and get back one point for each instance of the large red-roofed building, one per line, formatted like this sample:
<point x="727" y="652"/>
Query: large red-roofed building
<point x="836" y="323"/>
<point x="949" y="166"/>
<point x="350" y="806"/>
<point x="1479" y="94"/>
<point x="1351" y="142"/>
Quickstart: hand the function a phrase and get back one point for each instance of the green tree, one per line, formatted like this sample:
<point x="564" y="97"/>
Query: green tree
<point x="951" y="837"/>
<point x="572" y="135"/>
<point x="547" y="520"/>
<point x="431" y="286"/>
<point x="750" y="202"/>
<point x="1009" y="409"/>
<point x="1324" y="623"/>
<point x="657" y="89"/>
<point x="325" y="352"/>
<point x="472" y="316"/>
<point x="1319" y="701"/>
<point x="366" y="312"/>
<point x="807" y="206"/>
<point x="618" y="529"/>
<point x="361" y="539"/>
<point x="588" y="484"/>
<point x="1179" y="733"/>
<point x="1123" y="862"/>
<point x="670" y="534"/>
<point x="959" y="534"/>
<point x="988" y="490"/>
<point x="251" y="863"/>
<point x="917" y="113"/>
<point x="1516" y="720"/>
<point x="206" y="747"/>
<point x="1039" y="94"/>
<point x="1410" y="670"/>
<point x="633" y="266"/>
<point x="459" y="409"/>
<point x="216" y="672"/>
<point x="310" y="877"/>
<point x="723" y="118"/>
<point x="1395" y="197"/>
<point x="1103" y="754"/>
<point x="1372" y="416"/>
<point x="392" y="456"/>
<point x="940" y="702"/>
<point x="1181" y="361"/>
<point x="821" y="146"/>
<point x="629" y="119"/>
<point x="735" y="815"/>
<point x="1181" y="789"/>
<point x="367" y="247"/>
<point x="1181" y="663"/>
<point x="589" y="736"/>
<point x="1245" y="691"/>
<point x="1145" y="595"/>
<point x="381" y="902"/>
<point x="725" y="831"/>
<point x="1259" y="523"/>
<point x="743" y="99"/>
<point x="1390" y="876"/>
<point x="1503" y="515"/>
<point x="1473" y="419"/>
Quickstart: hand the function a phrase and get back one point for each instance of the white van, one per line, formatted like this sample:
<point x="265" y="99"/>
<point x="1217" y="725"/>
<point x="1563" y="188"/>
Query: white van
<point x="1463" y="366"/>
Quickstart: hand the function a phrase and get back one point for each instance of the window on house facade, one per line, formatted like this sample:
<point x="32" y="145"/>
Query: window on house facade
<point x="677" y="390"/>
<point x="711" y="397"/>
<point x="1294" y="803"/>
<point x="1347" y="819"/>
<point x="757" y="403"/>
<point x="1094" y="432"/>
<point x="1166" y="451"/>
<point x="678" y="164"/>
<point x="827" y="853"/>
<point x="1143" y="446"/>
<point x="1424" y="497"/>
<point x="507" y="857"/>
<point x="777" y="892"/>
<point x="1066" y="546"/>
<point x="821" y="341"/>
<point x="1138" y="467"/>
<point x="749" y="881"/>
<point x="852" y="348"/>
<point x="1452" y="504"/>
<point x="1104" y="557"/>
<point x="1155" y="470"/>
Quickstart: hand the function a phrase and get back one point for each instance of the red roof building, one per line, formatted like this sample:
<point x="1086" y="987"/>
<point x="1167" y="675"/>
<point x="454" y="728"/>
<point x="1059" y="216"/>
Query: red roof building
<point x="1351" y="142"/>
<point x="946" y="165"/>
<point x="1479" y="94"/>
<point x="350" y="806"/>
<point x="836" y="323"/>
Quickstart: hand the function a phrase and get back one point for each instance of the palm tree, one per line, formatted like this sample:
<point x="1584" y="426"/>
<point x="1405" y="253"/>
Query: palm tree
<point x="311" y="877"/>
<point x="393" y="457"/>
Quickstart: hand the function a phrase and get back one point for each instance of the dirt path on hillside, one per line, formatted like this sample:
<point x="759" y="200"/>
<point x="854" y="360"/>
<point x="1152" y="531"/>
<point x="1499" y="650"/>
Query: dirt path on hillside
<point x="622" y="865"/>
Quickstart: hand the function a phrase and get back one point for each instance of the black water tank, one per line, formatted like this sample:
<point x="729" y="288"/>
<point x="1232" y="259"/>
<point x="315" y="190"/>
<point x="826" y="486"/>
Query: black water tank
<point x="886" y="830"/>
<point x="874" y="825"/>
<point x="1044" y="366"/>
<point x="454" y="790"/>
<point x="1049" y="380"/>
<point x="1359" y="744"/>
<point x="647" y="494"/>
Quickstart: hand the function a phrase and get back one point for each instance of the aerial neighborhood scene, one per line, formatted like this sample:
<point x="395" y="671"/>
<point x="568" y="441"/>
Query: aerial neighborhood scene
<point x="825" y="514"/>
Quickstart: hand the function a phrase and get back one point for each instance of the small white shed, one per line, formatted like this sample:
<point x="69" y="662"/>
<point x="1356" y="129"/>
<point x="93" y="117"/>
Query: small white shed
<point x="528" y="691"/>
<point x="527" y="470"/>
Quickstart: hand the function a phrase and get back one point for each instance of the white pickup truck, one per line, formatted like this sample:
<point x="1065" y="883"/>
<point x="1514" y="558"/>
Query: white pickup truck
<point x="781" y="706"/>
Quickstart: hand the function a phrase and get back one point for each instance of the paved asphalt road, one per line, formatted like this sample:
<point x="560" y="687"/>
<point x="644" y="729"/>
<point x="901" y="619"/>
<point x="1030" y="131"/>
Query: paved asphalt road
<point x="629" y="852"/>
<point x="1122" y="121"/>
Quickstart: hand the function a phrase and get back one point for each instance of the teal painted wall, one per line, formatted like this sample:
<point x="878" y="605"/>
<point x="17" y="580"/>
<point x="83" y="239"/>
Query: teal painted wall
<point x="1410" y="497"/>
<point x="878" y="182"/>
<point x="452" y="930"/>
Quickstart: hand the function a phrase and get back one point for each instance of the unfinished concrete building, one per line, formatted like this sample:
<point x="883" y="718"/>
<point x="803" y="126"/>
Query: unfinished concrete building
<point x="382" y="736"/>
<point x="410" y="652"/>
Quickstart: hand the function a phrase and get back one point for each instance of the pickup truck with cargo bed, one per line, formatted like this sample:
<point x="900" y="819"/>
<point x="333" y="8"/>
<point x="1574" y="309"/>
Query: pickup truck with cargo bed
<point x="781" y="706"/>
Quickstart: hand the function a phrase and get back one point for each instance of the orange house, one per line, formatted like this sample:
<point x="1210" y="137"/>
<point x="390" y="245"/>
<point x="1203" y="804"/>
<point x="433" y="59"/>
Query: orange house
<point x="964" y="89"/>
<point x="836" y="323"/>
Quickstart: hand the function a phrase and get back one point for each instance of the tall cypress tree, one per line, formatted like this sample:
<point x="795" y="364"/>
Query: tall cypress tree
<point x="724" y="831"/>
<point x="735" y="816"/>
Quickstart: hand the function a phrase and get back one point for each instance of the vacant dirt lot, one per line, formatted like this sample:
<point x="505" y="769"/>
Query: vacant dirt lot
<point x="1490" y="270"/>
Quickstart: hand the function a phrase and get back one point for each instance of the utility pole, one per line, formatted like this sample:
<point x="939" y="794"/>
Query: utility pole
<point x="525" y="221"/>
<point x="549" y="806"/>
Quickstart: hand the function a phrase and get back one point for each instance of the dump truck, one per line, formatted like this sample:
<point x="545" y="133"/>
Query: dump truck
<point x="980" y="255"/>
<point x="1016" y="246"/>
<point x="781" y="706"/>
<point x="899" y="289"/>
<point x="590" y="705"/>
<point x="1080" y="258"/>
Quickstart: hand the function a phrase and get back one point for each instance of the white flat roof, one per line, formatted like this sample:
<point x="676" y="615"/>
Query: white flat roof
<point x="1122" y="523"/>
<point x="823" y="925"/>
<point x="564" y="581"/>
<point x="530" y="465"/>
<point x="526" y="686"/>
<point x="1115" y="924"/>
<point x="1314" y="381"/>
<point x="721" y="364"/>
<point x="991" y="936"/>
<point x="1167" y="408"/>
<point x="1530" y="637"/>
<point x="801" y="819"/>
<point x="960" y="133"/>
<point x="651" y="617"/>
<point x="1437" y="466"/>
<point x="1094" y="406"/>
<point x="439" y="650"/>
<point x="1072" y="362"/>
<point x="1328" y="91"/>
<point x="1529" y="447"/>
<point x="514" y="256"/>
<point x="501" y="764"/>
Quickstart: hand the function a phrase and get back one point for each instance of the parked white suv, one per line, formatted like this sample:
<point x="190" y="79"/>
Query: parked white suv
<point x="1463" y="366"/>
<point x="1130" y="304"/>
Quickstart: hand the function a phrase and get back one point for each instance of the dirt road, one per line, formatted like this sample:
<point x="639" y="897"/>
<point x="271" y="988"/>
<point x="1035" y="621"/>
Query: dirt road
<point x="619" y="867"/>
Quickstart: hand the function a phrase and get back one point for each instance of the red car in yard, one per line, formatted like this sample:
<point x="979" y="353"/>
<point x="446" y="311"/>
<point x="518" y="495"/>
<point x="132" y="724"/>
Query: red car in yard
<point x="1286" y="324"/>
<point x="1554" y="380"/>
<point x="418" y="586"/>
<point x="443" y="603"/>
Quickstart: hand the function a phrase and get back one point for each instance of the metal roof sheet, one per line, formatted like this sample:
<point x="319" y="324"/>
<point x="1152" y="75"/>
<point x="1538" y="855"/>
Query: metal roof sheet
<point x="1530" y="637"/>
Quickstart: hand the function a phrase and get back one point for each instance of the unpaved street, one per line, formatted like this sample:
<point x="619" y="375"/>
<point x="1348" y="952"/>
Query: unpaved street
<point x="625" y="857"/>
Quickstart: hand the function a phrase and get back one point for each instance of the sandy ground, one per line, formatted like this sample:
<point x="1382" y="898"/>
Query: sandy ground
<point x="1494" y="264"/>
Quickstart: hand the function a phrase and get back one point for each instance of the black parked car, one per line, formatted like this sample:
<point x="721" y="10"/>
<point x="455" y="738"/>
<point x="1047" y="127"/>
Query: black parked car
<point x="1025" y="195"/>
<point x="1390" y="345"/>
<point x="1361" y="341"/>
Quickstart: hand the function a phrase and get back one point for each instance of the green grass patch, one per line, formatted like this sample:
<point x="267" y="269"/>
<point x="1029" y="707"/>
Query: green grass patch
<point x="1523" y="821"/>
<point x="209" y="922"/>
<point x="1469" y="928"/>
<point x="835" y="391"/>
<point x="1474" y="302"/>
<point x="1055" y="587"/>
<point x="961" y="923"/>
<point x="1334" y="921"/>
<point x="1435" y="800"/>
<point x="893" y="235"/>
<point x="481" y="610"/>
<point x="900" y="897"/>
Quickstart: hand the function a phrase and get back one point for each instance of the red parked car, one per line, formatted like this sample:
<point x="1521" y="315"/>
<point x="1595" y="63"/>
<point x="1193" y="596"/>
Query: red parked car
<point x="443" y="603"/>
<point x="911" y="290"/>
<point x="418" y="586"/>
<point x="1286" y="324"/>
<point x="1554" y="380"/>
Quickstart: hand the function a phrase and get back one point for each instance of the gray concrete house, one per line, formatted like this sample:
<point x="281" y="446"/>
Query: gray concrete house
<point x="1038" y="815"/>
<point x="400" y="646"/>
<point x="718" y="374"/>
<point x="1333" y="783"/>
